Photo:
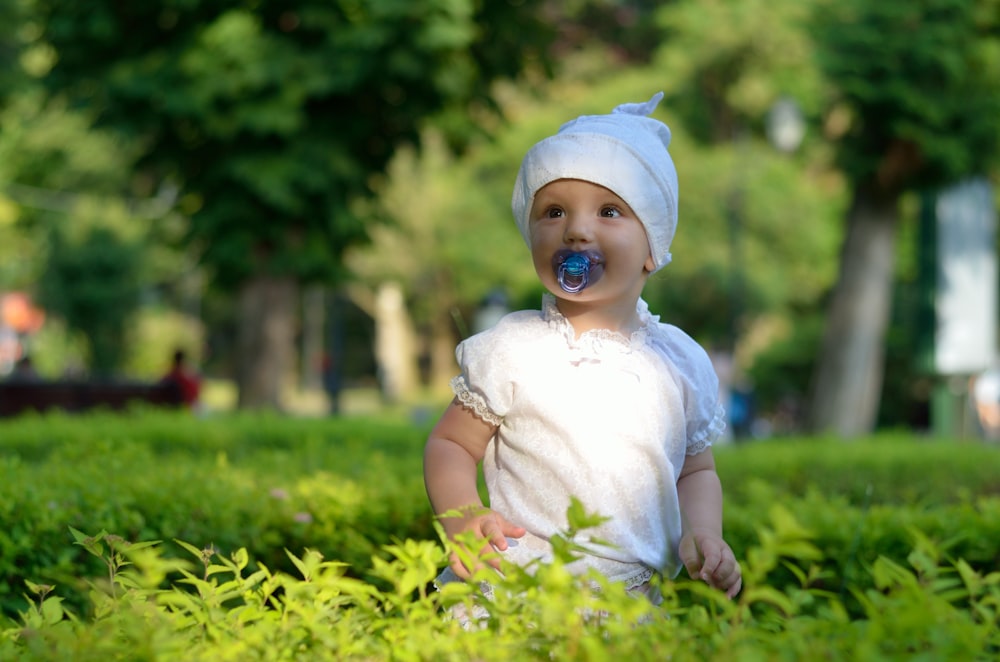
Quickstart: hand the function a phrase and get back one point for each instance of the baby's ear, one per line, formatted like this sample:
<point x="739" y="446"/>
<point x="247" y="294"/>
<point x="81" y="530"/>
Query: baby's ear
<point x="649" y="265"/>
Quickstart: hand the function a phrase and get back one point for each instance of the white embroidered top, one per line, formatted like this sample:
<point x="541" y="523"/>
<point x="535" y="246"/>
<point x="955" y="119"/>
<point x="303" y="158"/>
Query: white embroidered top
<point x="604" y="418"/>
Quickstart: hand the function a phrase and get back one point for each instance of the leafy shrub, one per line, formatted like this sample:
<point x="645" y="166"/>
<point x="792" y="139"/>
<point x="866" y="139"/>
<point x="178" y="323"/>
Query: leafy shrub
<point x="217" y="608"/>
<point x="855" y="545"/>
<point x="260" y="482"/>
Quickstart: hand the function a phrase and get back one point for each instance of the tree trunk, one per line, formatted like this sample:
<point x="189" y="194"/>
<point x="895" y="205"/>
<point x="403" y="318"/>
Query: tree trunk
<point x="266" y="343"/>
<point x="313" y="341"/>
<point x="395" y="344"/>
<point x="442" y="355"/>
<point x="848" y="381"/>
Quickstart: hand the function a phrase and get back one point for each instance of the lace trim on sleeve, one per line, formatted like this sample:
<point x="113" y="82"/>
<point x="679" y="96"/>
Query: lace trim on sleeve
<point x="473" y="401"/>
<point x="709" y="434"/>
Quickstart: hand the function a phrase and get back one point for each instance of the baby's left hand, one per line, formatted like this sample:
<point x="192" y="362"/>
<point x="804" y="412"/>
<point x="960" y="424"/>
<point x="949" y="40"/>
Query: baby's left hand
<point x="707" y="557"/>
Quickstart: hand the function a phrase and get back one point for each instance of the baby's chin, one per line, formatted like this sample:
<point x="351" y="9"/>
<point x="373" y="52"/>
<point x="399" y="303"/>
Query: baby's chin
<point x="560" y="294"/>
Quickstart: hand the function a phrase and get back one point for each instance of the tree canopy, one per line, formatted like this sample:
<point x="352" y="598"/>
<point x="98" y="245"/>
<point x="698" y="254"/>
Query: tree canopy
<point x="285" y="131"/>
<point x="912" y="88"/>
<point x="273" y="116"/>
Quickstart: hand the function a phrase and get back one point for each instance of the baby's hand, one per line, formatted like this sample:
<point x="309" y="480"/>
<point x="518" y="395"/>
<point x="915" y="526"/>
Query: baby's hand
<point x="486" y="525"/>
<point x="707" y="557"/>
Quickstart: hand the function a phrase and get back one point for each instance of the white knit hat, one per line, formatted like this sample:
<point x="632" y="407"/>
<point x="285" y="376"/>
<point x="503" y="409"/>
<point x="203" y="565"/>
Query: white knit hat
<point x="626" y="152"/>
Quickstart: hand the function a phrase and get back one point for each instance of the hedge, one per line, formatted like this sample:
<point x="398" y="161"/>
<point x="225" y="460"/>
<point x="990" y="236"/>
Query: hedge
<point x="860" y="543"/>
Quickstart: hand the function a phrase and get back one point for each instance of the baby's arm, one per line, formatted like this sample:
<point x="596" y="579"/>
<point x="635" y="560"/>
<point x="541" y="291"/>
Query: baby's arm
<point x="703" y="551"/>
<point x="454" y="449"/>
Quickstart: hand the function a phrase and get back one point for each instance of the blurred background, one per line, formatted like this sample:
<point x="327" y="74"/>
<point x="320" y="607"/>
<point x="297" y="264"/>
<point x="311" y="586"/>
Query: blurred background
<point x="311" y="198"/>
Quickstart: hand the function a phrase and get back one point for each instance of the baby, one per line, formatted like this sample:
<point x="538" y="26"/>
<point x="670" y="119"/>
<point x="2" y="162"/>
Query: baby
<point x="591" y="397"/>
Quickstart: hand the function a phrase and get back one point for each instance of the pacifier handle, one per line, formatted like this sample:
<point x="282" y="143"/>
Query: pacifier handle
<point x="574" y="273"/>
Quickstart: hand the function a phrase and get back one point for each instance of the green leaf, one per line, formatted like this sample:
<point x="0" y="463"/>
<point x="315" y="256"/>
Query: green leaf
<point x="579" y="519"/>
<point x="768" y="595"/>
<point x="241" y="558"/>
<point x="90" y="543"/>
<point x="38" y="589"/>
<point x="52" y="610"/>
<point x="303" y="569"/>
<point x="194" y="551"/>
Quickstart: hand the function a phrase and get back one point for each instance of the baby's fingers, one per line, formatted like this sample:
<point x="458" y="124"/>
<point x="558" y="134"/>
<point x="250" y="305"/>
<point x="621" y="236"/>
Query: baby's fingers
<point x="728" y="579"/>
<point x="734" y="583"/>
<point x="458" y="567"/>
<point x="690" y="556"/>
<point x="494" y="535"/>
<point x="715" y="564"/>
<point x="723" y="573"/>
<point x="466" y="563"/>
<point x="510" y="530"/>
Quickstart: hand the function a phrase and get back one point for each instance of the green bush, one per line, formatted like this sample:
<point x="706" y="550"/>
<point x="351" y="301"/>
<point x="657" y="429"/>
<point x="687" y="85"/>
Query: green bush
<point x="217" y="608"/>
<point x="263" y="483"/>
<point x="881" y="549"/>
<point x="891" y="468"/>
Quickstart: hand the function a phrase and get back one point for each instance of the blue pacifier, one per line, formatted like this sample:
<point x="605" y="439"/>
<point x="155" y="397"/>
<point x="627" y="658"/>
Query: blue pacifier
<point x="576" y="270"/>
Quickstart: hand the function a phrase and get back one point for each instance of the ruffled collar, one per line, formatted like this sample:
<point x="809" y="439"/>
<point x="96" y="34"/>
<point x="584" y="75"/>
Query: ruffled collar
<point x="595" y="340"/>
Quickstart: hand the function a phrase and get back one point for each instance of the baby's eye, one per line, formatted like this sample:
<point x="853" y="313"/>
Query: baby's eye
<point x="610" y="212"/>
<point x="554" y="212"/>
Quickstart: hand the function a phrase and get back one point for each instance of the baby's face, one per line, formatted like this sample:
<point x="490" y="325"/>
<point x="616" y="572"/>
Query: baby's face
<point x="570" y="216"/>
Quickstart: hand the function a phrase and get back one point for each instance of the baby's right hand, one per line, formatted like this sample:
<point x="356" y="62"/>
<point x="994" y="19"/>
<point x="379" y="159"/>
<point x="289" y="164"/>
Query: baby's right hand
<point x="485" y="525"/>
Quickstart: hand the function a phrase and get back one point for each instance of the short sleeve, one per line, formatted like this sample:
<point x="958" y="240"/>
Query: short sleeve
<point x="485" y="383"/>
<point x="692" y="370"/>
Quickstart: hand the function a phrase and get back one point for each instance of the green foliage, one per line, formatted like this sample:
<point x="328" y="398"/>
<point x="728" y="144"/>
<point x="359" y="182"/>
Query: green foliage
<point x="93" y="285"/>
<point x="917" y="81"/>
<point x="898" y="468"/>
<point x="782" y="372"/>
<point x="50" y="145"/>
<point x="299" y="538"/>
<point x="271" y="119"/>
<point x="16" y="265"/>
<point x="274" y="117"/>
<point x="454" y="246"/>
<point x="69" y="237"/>
<point x="263" y="483"/>
<point x="12" y="78"/>
<point x="54" y="173"/>
<point x="152" y="337"/>
<point x="730" y="61"/>
<point x="217" y="607"/>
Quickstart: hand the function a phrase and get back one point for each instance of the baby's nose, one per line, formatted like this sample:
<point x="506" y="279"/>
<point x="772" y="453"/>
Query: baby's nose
<point x="579" y="230"/>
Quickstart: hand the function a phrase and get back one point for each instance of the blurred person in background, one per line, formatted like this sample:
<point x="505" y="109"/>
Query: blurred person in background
<point x="985" y="390"/>
<point x="24" y="370"/>
<point x="188" y="383"/>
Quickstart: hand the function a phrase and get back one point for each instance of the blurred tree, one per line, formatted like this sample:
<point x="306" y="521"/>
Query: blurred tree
<point x="759" y="229"/>
<point x="446" y="253"/>
<point x="625" y="29"/>
<point x="913" y="104"/>
<point x="730" y="61"/>
<point x="12" y="76"/>
<point x="272" y="117"/>
<point x="91" y="281"/>
<point x="59" y="180"/>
